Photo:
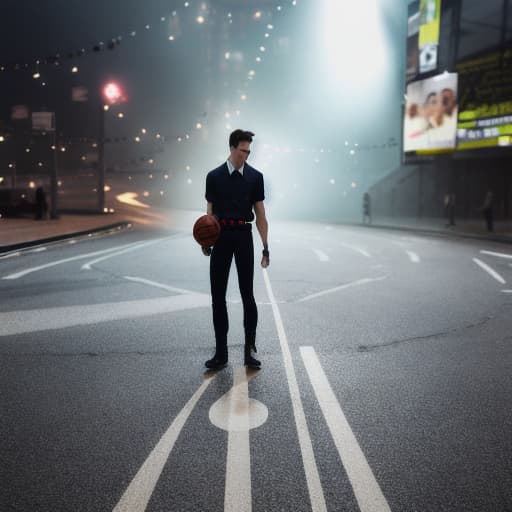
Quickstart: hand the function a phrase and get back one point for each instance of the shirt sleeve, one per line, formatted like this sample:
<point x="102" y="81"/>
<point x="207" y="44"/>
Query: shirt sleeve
<point x="259" y="190"/>
<point x="210" y="188"/>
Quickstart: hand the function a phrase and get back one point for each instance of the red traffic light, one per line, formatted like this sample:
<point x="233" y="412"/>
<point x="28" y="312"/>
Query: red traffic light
<point x="112" y="92"/>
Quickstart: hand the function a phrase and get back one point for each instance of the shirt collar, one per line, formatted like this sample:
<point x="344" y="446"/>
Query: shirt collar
<point x="231" y="168"/>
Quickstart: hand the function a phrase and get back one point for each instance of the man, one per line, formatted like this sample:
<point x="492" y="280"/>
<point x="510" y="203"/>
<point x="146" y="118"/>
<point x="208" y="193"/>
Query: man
<point x="233" y="191"/>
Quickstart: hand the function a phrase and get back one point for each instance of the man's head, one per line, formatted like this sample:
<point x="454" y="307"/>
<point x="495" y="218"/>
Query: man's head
<point x="239" y="145"/>
<point x="448" y="100"/>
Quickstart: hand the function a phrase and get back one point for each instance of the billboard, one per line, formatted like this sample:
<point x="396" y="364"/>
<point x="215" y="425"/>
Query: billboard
<point x="430" y="117"/>
<point x="485" y="98"/>
<point x="423" y="26"/>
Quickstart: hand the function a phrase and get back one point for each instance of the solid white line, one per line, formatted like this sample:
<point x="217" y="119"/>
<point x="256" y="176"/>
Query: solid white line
<point x="321" y="255"/>
<point x="489" y="270"/>
<point x="138" y="493"/>
<point x="237" y="496"/>
<point x="413" y="256"/>
<point x="506" y="291"/>
<point x="162" y="286"/>
<point x="316" y="494"/>
<point x="342" y="287"/>
<point x="66" y="260"/>
<point x="366" y="488"/>
<point x="498" y="254"/>
<point x="88" y="265"/>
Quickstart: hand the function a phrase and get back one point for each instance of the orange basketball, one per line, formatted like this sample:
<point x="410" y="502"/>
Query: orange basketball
<point x="206" y="230"/>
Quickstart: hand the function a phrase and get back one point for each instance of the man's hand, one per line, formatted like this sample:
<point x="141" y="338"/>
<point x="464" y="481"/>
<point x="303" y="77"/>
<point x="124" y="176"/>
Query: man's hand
<point x="265" y="260"/>
<point x="206" y="250"/>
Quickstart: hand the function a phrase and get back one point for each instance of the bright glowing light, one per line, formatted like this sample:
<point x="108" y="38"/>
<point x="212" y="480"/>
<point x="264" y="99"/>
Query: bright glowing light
<point x="199" y="126"/>
<point x="332" y="181"/>
<point x="171" y="38"/>
<point x="137" y="139"/>
<point x="200" y="20"/>
<point x="63" y="149"/>
<point x="270" y="27"/>
<point x="227" y="55"/>
<point x="1" y="179"/>
<point x="166" y="176"/>
<point x="2" y="139"/>
<point x="179" y="139"/>
<point x="107" y="188"/>
<point x="130" y="198"/>
<point x="151" y="162"/>
<point x="262" y="48"/>
<point x="120" y="115"/>
<point x="353" y="184"/>
<point x="40" y="164"/>
<point x="352" y="152"/>
<point x="347" y="47"/>
<point x="143" y="130"/>
<point x="189" y="181"/>
<point x="187" y="167"/>
<point x="257" y="15"/>
<point x="252" y="73"/>
<point x="36" y="75"/>
<point x="258" y="59"/>
<point x="74" y="69"/>
<point x="27" y="150"/>
<point x="227" y="115"/>
<point x="243" y="97"/>
<point x="112" y="92"/>
<point x="106" y="107"/>
<point x="158" y="136"/>
<point x="146" y="193"/>
<point x="32" y="184"/>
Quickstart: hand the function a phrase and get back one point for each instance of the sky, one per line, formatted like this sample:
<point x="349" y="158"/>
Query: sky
<point x="320" y="82"/>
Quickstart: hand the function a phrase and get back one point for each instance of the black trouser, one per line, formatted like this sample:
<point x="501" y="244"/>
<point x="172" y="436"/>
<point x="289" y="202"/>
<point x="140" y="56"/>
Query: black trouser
<point x="238" y="242"/>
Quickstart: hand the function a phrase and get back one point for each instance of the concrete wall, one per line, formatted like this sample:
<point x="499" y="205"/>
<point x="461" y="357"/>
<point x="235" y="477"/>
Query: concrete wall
<point x="418" y="190"/>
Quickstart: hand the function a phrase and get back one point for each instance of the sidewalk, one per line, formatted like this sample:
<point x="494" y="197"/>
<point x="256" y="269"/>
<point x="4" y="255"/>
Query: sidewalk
<point x="19" y="232"/>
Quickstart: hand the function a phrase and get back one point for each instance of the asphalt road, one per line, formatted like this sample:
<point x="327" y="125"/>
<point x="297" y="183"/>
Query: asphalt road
<point x="386" y="378"/>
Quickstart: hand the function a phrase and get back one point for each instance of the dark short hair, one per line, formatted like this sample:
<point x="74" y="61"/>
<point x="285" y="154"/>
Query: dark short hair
<point x="239" y="136"/>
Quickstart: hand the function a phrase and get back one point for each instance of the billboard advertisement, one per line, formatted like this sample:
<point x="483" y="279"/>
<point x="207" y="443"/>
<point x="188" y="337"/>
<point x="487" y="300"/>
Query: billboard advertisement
<point x="431" y="113"/>
<point x="485" y="98"/>
<point x="423" y="26"/>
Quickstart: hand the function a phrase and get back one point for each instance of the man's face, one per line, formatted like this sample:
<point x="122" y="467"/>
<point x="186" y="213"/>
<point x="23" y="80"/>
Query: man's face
<point x="240" y="154"/>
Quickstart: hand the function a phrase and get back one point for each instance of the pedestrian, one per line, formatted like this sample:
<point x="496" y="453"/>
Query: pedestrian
<point x="449" y="205"/>
<point x="41" y="204"/>
<point x="235" y="194"/>
<point x="487" y="209"/>
<point x="367" y="208"/>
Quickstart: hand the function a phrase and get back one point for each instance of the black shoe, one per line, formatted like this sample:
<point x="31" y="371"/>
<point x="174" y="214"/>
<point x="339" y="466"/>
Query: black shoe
<point x="216" y="363"/>
<point x="251" y="362"/>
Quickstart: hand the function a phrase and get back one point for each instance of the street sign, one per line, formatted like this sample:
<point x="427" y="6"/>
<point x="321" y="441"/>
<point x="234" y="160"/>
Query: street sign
<point x="43" y="121"/>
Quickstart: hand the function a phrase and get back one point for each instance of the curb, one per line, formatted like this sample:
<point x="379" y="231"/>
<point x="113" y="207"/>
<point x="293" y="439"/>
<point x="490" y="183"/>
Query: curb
<point x="32" y="243"/>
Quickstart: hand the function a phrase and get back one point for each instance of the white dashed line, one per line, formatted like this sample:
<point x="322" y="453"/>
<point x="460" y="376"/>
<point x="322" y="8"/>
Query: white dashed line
<point x="366" y="488"/>
<point x="497" y="254"/>
<point x="489" y="270"/>
<point x="321" y="255"/>
<point x="413" y="256"/>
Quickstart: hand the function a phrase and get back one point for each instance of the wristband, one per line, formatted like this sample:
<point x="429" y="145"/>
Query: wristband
<point x="265" y="253"/>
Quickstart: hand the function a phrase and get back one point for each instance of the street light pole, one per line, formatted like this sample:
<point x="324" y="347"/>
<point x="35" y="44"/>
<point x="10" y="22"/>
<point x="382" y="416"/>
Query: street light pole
<point x="101" y="160"/>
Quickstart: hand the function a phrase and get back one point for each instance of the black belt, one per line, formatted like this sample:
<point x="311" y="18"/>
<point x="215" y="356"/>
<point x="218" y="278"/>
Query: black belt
<point x="234" y="224"/>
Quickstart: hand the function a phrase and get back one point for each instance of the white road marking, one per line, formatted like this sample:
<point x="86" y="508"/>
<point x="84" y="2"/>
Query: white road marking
<point x="10" y="255"/>
<point x="89" y="264"/>
<point x="321" y="255"/>
<point x="366" y="254"/>
<point x="498" y="254"/>
<point x="34" y="320"/>
<point x="237" y="414"/>
<point x="342" y="287"/>
<point x="316" y="493"/>
<point x="506" y="291"/>
<point x="366" y="488"/>
<point x="162" y="286"/>
<point x="38" y="249"/>
<point x="65" y="260"/>
<point x="137" y="495"/>
<point x="413" y="256"/>
<point x="489" y="270"/>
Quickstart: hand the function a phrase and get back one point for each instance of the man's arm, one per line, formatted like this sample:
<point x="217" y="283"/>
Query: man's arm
<point x="209" y="210"/>
<point x="262" y="225"/>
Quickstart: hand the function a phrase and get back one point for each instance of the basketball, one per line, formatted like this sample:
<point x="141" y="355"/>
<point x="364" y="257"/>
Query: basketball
<point x="206" y="230"/>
